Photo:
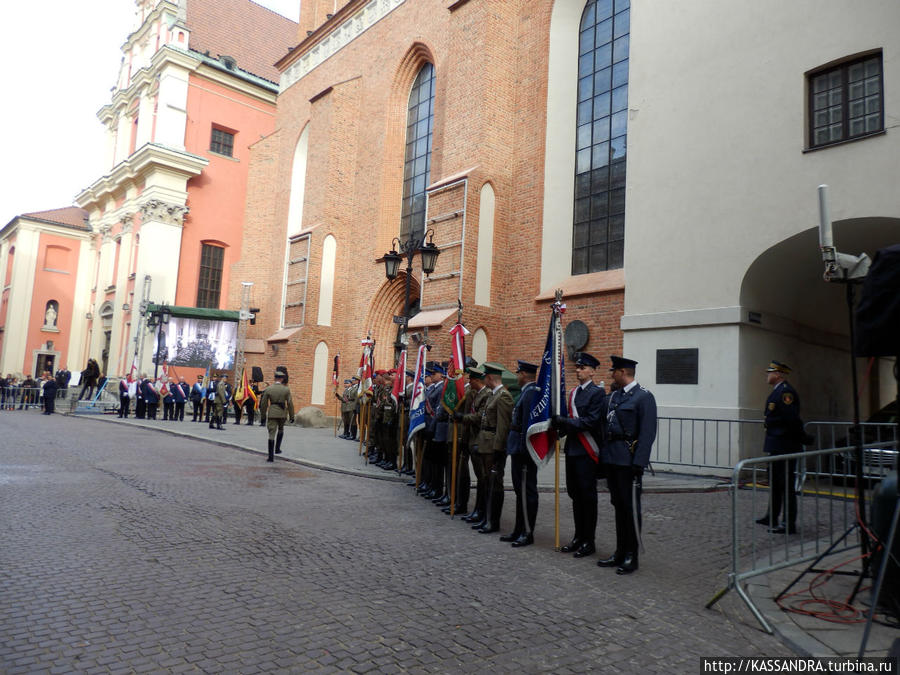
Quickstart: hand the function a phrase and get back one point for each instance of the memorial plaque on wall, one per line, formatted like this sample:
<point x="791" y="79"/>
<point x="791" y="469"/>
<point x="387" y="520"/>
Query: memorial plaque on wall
<point x="677" y="366"/>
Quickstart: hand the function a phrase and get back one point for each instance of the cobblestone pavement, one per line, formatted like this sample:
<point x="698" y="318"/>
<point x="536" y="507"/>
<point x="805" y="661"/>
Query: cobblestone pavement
<point x="125" y="550"/>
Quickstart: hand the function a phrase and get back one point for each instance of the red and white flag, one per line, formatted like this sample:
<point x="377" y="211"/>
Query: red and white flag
<point x="400" y="379"/>
<point x="366" y="365"/>
<point x="334" y="372"/>
<point x="455" y="385"/>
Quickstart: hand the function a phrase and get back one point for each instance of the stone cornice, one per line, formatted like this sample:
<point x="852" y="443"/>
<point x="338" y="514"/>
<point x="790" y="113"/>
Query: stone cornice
<point x="349" y="23"/>
<point x="206" y="67"/>
<point x="33" y="225"/>
<point x="150" y="156"/>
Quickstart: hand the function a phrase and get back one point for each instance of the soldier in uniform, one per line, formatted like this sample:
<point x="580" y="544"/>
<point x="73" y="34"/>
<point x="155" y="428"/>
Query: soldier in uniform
<point x="584" y="433"/>
<point x="630" y="432"/>
<point x="470" y="414"/>
<point x="407" y="448"/>
<point x="439" y="453"/>
<point x="463" y="478"/>
<point x="219" y="403"/>
<point x="784" y="435"/>
<point x="522" y="467"/>
<point x="348" y="405"/>
<point x="388" y="416"/>
<point x="276" y="405"/>
<point x="492" y="437"/>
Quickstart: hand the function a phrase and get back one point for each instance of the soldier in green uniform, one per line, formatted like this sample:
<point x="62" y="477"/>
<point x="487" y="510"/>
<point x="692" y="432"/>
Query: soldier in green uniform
<point x="219" y="402"/>
<point x="468" y="419"/>
<point x="495" y="421"/>
<point x="387" y="413"/>
<point x="276" y="405"/>
<point x="348" y="407"/>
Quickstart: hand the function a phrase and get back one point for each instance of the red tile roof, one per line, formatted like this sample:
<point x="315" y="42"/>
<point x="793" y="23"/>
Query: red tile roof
<point x="72" y="216"/>
<point x="254" y="36"/>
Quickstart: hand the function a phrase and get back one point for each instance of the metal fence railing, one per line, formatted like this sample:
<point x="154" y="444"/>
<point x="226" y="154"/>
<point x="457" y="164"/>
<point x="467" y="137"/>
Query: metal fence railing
<point x="705" y="443"/>
<point x="825" y="521"/>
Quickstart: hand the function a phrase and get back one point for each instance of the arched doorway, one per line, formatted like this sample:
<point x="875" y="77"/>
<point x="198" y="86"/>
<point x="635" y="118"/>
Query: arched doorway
<point x="388" y="303"/>
<point x="794" y="316"/>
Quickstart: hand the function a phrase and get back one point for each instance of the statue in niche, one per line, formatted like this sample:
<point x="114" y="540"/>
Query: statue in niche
<point x="51" y="314"/>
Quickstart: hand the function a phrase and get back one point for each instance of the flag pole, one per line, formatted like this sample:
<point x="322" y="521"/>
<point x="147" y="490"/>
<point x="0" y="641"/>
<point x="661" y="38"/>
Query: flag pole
<point x="555" y="400"/>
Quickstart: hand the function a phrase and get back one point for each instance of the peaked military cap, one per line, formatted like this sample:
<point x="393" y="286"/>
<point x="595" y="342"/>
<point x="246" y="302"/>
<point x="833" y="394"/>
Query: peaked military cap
<point x="585" y="359"/>
<point x="280" y="372"/>
<point x="410" y="373"/>
<point x="622" y="362"/>
<point x="526" y="367"/>
<point x="475" y="372"/>
<point x="438" y="369"/>
<point x="471" y="363"/>
<point x="493" y="369"/>
<point x="778" y="367"/>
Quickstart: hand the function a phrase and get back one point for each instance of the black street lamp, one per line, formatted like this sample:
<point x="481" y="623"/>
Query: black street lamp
<point x="408" y="248"/>
<point x="158" y="317"/>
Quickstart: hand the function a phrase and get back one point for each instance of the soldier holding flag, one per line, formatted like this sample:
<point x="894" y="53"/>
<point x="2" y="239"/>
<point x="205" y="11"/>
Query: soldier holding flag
<point x="522" y="469"/>
<point x="583" y="430"/>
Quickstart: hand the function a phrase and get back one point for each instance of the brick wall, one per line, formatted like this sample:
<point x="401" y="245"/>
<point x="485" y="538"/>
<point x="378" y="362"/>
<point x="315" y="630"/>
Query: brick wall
<point x="490" y="63"/>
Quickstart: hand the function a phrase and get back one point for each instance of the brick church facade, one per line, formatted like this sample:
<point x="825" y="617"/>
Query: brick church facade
<point x="465" y="119"/>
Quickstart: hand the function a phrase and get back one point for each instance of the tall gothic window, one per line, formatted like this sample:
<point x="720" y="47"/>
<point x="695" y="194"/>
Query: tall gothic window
<point x="210" y="284"/>
<point x="598" y="242"/>
<point x="417" y="165"/>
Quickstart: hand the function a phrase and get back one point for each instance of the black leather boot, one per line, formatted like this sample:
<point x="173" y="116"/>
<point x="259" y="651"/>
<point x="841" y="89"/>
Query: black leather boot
<point x="278" y="442"/>
<point x="629" y="564"/>
<point x="271" y="451"/>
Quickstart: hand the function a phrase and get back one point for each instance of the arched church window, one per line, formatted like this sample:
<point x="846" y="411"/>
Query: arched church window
<point x="417" y="163"/>
<point x="598" y="242"/>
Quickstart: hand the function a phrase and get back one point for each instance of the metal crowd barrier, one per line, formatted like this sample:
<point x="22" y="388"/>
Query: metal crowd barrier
<point x="20" y="398"/>
<point x="704" y="443"/>
<point x="826" y="515"/>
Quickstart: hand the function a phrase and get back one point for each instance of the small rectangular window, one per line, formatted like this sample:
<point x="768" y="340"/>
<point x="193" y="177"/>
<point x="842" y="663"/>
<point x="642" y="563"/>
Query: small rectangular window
<point x="222" y="142"/>
<point x="209" y="287"/>
<point x="846" y="101"/>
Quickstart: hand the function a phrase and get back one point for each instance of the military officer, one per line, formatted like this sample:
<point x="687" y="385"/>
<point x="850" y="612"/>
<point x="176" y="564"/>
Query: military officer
<point x="348" y="405"/>
<point x="470" y="415"/>
<point x="522" y="467"/>
<point x="276" y="405"/>
<point x="219" y="403"/>
<point x="584" y="432"/>
<point x="630" y="432"/>
<point x="784" y="435"/>
<point x="388" y="415"/>
<point x="492" y="437"/>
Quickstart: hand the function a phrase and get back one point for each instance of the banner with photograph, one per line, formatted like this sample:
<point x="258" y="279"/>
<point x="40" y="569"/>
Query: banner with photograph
<point x="196" y="343"/>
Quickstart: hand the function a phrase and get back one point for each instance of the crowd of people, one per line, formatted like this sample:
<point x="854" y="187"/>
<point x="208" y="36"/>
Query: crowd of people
<point x="166" y="398"/>
<point x="23" y="392"/>
<point x="606" y="435"/>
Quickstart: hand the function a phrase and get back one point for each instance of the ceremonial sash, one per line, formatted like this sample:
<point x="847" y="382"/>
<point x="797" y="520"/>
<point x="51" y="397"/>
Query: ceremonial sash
<point x="584" y="437"/>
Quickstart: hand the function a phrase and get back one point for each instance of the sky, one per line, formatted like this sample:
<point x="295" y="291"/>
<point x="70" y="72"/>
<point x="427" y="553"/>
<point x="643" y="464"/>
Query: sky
<point x="61" y="61"/>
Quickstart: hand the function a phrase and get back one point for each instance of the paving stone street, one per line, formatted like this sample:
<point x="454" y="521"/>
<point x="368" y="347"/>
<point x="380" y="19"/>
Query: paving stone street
<point x="129" y="550"/>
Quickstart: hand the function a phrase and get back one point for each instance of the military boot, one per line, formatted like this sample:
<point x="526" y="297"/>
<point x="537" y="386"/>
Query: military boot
<point x="271" y="451"/>
<point x="278" y="442"/>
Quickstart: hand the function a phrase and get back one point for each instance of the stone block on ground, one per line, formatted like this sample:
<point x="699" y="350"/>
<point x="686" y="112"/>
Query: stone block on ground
<point x="312" y="417"/>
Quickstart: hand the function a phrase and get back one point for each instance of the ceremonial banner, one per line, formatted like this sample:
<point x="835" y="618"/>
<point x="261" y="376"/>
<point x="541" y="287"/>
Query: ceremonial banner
<point x="162" y="384"/>
<point x="400" y="379"/>
<point x="205" y="384"/>
<point x="240" y="394"/>
<point x="455" y="384"/>
<point x="417" y="404"/>
<point x="334" y="372"/>
<point x="540" y="439"/>
<point x="366" y="366"/>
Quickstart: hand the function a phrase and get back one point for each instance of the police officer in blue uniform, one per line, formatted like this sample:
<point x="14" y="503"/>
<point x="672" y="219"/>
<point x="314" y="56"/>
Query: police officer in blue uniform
<point x="784" y="435"/>
<point x="630" y="432"/>
<point x="522" y="469"/>
<point x="584" y="433"/>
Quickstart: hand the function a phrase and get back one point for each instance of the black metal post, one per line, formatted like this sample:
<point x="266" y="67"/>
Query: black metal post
<point x="857" y="429"/>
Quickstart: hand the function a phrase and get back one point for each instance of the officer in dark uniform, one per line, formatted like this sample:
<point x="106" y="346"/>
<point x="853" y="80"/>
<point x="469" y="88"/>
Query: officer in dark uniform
<point x="275" y="406"/>
<point x="784" y="435"/>
<point x="522" y="468"/>
<point x="630" y="432"/>
<point x="583" y="431"/>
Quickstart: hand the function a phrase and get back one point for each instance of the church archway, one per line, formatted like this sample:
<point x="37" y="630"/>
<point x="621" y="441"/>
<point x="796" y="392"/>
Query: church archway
<point x="387" y="304"/>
